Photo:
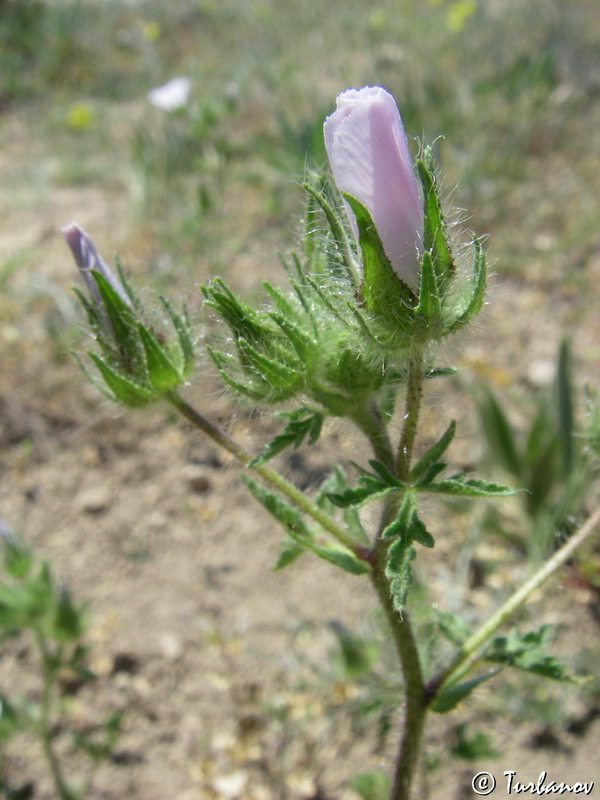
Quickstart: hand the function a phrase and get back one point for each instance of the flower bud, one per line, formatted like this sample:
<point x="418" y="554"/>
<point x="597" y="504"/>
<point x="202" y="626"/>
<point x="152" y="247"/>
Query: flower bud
<point x="370" y="160"/>
<point x="137" y="362"/>
<point x="87" y="259"/>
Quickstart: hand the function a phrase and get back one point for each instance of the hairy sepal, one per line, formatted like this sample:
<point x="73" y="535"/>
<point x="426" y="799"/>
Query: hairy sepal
<point x="435" y="239"/>
<point x="385" y="295"/>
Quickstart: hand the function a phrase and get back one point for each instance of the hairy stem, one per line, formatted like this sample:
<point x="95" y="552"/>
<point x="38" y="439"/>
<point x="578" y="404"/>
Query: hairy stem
<point x="416" y="700"/>
<point x="266" y="473"/>
<point x="414" y="391"/>
<point x="370" y="422"/>
<point x="468" y="653"/>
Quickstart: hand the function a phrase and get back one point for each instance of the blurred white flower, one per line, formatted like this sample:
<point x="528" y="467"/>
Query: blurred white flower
<point x="172" y="95"/>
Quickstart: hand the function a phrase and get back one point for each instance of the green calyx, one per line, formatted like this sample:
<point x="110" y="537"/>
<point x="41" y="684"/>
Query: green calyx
<point x="334" y="338"/>
<point x="305" y="343"/>
<point x="137" y="363"/>
<point x="447" y="299"/>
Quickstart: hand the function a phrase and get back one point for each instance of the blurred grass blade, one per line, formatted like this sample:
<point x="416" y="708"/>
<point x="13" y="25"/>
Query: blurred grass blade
<point x="564" y="400"/>
<point x="499" y="433"/>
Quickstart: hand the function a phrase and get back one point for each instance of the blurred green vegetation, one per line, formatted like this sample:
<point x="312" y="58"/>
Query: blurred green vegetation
<point x="509" y="91"/>
<point x="511" y="87"/>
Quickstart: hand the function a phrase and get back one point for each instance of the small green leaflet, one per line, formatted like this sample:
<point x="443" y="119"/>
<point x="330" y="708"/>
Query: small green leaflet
<point x="473" y="488"/>
<point x="303" y="423"/>
<point x="334" y="554"/>
<point x="68" y="622"/>
<point x="449" y="698"/>
<point x="526" y="652"/>
<point x="288" y="553"/>
<point x="407" y="524"/>
<point x="293" y="522"/>
<point x="404" y="530"/>
<point x="337" y="483"/>
<point x="432" y="455"/>
<point x="244" y="321"/>
<point x="453" y="626"/>
<point x="284" y="512"/>
<point x="302" y="344"/>
<point x="371" y="486"/>
<point x="439" y="372"/>
<point x="371" y="785"/>
<point x="18" y="558"/>
<point x="397" y="570"/>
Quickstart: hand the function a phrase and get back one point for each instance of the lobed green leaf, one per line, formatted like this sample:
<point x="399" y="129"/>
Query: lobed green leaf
<point x="338" y="483"/>
<point x="304" y="423"/>
<point x="526" y="652"/>
<point x="407" y="524"/>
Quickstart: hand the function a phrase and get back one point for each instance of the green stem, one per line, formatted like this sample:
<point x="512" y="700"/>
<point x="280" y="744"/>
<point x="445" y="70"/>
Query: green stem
<point x="370" y="422"/>
<point x="414" y="391"/>
<point x="416" y="703"/>
<point x="468" y="653"/>
<point x="416" y="699"/>
<point x="267" y="474"/>
<point x="45" y="724"/>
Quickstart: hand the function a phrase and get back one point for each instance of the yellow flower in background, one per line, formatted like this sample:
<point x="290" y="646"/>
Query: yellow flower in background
<point x="80" y="117"/>
<point x="377" y="20"/>
<point x="458" y="13"/>
<point x="151" y="31"/>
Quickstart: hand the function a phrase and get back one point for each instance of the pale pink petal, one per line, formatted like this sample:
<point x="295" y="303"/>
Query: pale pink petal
<point x="369" y="157"/>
